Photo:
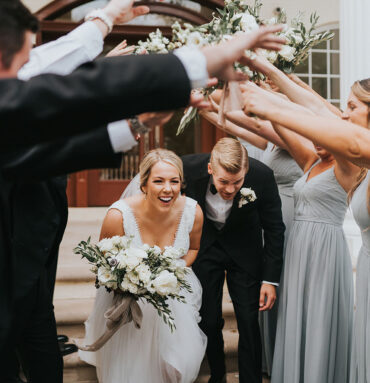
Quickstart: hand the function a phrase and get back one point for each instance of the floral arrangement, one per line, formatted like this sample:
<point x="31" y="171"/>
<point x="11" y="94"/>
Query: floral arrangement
<point x="237" y="17"/>
<point x="142" y="272"/>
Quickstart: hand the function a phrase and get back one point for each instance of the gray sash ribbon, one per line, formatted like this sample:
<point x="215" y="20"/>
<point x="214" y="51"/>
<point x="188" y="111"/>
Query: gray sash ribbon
<point x="124" y="310"/>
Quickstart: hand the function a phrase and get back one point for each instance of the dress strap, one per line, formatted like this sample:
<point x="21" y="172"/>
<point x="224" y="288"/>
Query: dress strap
<point x="189" y="213"/>
<point x="129" y="222"/>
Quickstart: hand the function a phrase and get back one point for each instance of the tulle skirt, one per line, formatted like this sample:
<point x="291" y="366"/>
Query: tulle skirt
<point x="151" y="354"/>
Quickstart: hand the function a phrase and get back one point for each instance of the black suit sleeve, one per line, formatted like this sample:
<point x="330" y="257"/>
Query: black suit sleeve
<point x="86" y="151"/>
<point x="273" y="226"/>
<point x="51" y="106"/>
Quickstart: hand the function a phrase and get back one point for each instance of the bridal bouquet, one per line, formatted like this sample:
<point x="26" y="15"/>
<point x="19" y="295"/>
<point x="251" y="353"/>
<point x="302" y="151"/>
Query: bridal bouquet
<point x="134" y="273"/>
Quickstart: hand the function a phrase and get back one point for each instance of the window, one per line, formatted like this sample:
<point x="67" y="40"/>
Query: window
<point x="321" y="69"/>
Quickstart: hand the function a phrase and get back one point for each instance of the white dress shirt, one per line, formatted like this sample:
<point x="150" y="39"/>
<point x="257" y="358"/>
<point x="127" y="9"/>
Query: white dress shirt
<point x="84" y="44"/>
<point x="218" y="210"/>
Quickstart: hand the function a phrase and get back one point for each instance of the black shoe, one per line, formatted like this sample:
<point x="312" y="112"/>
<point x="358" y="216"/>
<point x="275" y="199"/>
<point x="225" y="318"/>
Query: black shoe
<point x="62" y="338"/>
<point x="217" y="380"/>
<point x="67" y="348"/>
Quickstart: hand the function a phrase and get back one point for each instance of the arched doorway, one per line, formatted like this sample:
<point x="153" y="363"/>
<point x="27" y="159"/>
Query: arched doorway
<point x="102" y="187"/>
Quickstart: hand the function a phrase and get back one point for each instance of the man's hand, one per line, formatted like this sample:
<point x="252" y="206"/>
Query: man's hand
<point x="220" y="58"/>
<point x="267" y="296"/>
<point x="153" y="119"/>
<point x="121" y="11"/>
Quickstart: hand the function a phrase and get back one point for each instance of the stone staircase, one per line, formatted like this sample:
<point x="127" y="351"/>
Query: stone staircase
<point x="75" y="292"/>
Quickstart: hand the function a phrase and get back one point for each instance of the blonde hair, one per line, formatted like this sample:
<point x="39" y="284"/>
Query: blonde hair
<point x="361" y="89"/>
<point x="231" y="155"/>
<point x="154" y="156"/>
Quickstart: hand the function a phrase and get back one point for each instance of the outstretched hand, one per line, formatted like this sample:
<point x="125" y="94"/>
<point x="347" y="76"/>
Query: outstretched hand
<point x="258" y="101"/>
<point x="267" y="296"/>
<point x="220" y="58"/>
<point x="121" y="50"/>
<point x="122" y="11"/>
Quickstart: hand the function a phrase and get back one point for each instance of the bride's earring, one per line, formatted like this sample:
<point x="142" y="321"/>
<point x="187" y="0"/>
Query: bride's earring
<point x="145" y="195"/>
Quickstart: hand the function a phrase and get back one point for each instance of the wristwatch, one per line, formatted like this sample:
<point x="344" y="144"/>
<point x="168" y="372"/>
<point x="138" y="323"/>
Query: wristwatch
<point x="137" y="127"/>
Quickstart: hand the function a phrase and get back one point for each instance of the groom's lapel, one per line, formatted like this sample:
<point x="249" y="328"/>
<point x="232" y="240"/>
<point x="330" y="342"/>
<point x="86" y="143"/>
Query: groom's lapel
<point x="201" y="190"/>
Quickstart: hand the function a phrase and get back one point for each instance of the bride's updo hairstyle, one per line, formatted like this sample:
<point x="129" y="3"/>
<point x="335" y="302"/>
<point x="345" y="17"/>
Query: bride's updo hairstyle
<point x="157" y="155"/>
<point x="230" y="154"/>
<point x="361" y="89"/>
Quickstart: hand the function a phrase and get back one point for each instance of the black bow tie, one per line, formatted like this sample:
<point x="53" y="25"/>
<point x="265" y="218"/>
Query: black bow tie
<point x="213" y="189"/>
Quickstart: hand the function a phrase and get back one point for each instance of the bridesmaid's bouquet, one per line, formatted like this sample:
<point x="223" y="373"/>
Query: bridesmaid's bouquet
<point x="134" y="273"/>
<point x="237" y="17"/>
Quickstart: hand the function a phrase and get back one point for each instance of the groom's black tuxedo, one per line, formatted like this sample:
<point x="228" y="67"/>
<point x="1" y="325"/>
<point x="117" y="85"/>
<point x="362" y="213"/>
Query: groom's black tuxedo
<point x="49" y="107"/>
<point x="39" y="210"/>
<point x="249" y="247"/>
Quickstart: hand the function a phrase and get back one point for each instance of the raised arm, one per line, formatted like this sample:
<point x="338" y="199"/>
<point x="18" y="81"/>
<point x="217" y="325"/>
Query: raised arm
<point x="293" y="91"/>
<point x="235" y="130"/>
<point x="341" y="138"/>
<point x="81" y="45"/>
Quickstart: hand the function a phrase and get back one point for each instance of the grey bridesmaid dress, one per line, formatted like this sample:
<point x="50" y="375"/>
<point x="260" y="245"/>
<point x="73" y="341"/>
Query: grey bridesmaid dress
<point x="360" y="365"/>
<point x="252" y="150"/>
<point x="286" y="172"/>
<point x="313" y="338"/>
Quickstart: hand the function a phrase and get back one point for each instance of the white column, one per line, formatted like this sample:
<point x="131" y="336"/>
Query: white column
<point x="354" y="44"/>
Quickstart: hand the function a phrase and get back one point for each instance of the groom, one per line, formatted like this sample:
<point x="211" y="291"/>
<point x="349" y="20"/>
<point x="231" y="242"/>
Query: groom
<point x="243" y="238"/>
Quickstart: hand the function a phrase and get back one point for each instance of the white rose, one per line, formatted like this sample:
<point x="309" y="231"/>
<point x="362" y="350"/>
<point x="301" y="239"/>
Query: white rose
<point x="132" y="262"/>
<point x="144" y="273"/>
<point x="248" y="23"/>
<point x="116" y="240"/>
<point x="133" y="276"/>
<point x="106" y="277"/>
<point x="165" y="283"/>
<point x="136" y="252"/>
<point x="287" y="52"/>
<point x="298" y="38"/>
<point x="196" y="39"/>
<point x="121" y="259"/>
<point x="106" y="244"/>
<point x="171" y="252"/>
<point x="126" y="285"/>
<point x="156" y="250"/>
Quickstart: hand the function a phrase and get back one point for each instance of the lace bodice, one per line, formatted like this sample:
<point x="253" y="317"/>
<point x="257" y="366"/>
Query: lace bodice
<point x="182" y="239"/>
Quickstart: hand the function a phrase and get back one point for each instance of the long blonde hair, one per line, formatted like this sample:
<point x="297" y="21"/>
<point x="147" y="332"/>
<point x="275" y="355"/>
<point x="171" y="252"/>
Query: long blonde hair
<point x="361" y="89"/>
<point x="157" y="155"/>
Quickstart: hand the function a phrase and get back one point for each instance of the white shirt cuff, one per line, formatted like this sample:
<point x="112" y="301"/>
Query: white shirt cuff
<point x="64" y="55"/>
<point x="195" y="64"/>
<point x="271" y="283"/>
<point x="120" y="136"/>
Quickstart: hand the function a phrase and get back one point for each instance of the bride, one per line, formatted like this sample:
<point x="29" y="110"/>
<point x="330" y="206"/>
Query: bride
<point x="161" y="216"/>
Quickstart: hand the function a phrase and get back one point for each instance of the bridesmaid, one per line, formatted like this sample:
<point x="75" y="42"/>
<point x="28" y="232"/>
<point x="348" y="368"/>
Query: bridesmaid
<point x="350" y="142"/>
<point x="286" y="172"/>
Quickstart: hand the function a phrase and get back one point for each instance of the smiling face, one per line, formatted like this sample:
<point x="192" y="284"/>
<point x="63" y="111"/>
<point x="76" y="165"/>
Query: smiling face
<point x="356" y="112"/>
<point x="227" y="184"/>
<point x="163" y="185"/>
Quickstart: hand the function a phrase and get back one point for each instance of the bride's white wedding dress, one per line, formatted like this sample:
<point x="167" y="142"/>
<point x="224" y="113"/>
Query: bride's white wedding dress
<point x="151" y="354"/>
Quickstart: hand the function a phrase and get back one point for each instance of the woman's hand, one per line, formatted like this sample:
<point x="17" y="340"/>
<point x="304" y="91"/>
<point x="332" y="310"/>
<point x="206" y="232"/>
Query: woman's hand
<point x="121" y="50"/>
<point x="122" y="11"/>
<point x="220" y="58"/>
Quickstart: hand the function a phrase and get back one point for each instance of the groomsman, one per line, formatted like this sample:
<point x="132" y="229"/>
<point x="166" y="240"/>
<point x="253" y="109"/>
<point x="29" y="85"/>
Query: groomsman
<point x="242" y="239"/>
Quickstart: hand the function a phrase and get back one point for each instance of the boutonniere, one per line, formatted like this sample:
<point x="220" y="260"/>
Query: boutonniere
<point x="246" y="195"/>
